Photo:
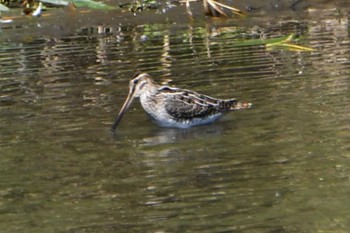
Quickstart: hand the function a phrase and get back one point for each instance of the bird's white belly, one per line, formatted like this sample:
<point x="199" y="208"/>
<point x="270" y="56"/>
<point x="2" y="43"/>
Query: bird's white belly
<point x="161" y="116"/>
<point x="186" y="123"/>
<point x="163" y="119"/>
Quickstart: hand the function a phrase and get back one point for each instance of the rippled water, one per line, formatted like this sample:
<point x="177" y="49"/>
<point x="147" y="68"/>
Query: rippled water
<point x="282" y="166"/>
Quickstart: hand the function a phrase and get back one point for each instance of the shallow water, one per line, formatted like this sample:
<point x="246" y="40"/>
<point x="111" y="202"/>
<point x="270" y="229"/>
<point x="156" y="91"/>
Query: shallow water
<point x="282" y="166"/>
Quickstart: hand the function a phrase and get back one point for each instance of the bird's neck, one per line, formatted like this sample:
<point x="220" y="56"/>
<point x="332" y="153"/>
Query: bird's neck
<point x="152" y="89"/>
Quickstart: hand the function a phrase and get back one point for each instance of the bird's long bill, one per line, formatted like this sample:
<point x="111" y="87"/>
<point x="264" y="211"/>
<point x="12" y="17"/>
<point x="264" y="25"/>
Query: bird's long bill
<point x="125" y="107"/>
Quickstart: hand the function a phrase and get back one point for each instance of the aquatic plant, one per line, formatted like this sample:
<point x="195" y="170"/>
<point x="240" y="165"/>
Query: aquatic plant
<point x="286" y="43"/>
<point x="3" y="7"/>
<point x="81" y="3"/>
<point x="214" y="8"/>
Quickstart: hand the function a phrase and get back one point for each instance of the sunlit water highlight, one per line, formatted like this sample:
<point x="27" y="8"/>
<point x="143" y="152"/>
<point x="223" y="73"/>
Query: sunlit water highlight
<point x="279" y="167"/>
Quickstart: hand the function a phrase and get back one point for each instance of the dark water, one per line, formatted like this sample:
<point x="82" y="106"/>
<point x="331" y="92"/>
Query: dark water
<point x="282" y="166"/>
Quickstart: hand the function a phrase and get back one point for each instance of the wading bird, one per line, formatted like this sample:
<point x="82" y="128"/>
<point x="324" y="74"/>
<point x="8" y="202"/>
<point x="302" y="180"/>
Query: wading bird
<point x="175" y="107"/>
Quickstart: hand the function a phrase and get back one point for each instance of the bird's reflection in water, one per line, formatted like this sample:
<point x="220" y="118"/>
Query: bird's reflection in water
<point x="170" y="135"/>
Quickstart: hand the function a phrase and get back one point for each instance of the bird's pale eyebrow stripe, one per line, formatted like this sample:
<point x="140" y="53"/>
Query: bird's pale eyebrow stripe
<point x="142" y="84"/>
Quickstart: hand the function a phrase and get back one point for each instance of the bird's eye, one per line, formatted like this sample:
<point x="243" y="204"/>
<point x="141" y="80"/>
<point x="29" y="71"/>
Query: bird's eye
<point x="136" y="81"/>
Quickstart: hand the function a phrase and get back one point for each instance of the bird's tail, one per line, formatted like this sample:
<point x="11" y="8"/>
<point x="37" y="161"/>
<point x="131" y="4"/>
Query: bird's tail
<point x="240" y="105"/>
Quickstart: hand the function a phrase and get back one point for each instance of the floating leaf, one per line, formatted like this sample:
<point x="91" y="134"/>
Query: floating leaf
<point x="3" y="7"/>
<point x="254" y="42"/>
<point x="289" y="46"/>
<point x="81" y="3"/>
<point x="93" y="5"/>
<point x="275" y="43"/>
<point x="286" y="44"/>
<point x="57" y="2"/>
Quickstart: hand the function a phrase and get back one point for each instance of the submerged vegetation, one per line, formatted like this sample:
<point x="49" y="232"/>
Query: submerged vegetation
<point x="211" y="8"/>
<point x="133" y="5"/>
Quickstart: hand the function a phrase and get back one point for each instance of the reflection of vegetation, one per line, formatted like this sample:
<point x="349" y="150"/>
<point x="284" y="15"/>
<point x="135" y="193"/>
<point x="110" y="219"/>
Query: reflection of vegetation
<point x="286" y="43"/>
<point x="30" y="5"/>
<point x="211" y="7"/>
<point x="133" y="5"/>
<point x="239" y="36"/>
<point x="283" y="42"/>
<point x="81" y="3"/>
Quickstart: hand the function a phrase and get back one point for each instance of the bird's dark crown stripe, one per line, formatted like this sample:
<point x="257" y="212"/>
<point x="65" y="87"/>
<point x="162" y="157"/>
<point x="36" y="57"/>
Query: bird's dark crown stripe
<point x="136" y="74"/>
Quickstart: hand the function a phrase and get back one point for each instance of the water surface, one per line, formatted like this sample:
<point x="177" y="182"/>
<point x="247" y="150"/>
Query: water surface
<point x="282" y="166"/>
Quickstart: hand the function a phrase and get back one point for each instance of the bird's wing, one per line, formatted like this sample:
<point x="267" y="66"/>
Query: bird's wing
<point x="185" y="104"/>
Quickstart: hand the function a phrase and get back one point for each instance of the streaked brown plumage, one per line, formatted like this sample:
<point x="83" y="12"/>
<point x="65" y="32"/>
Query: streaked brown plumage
<point x="174" y="107"/>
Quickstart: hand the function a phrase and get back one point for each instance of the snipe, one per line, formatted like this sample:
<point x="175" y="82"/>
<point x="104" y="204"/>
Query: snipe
<point x="175" y="107"/>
